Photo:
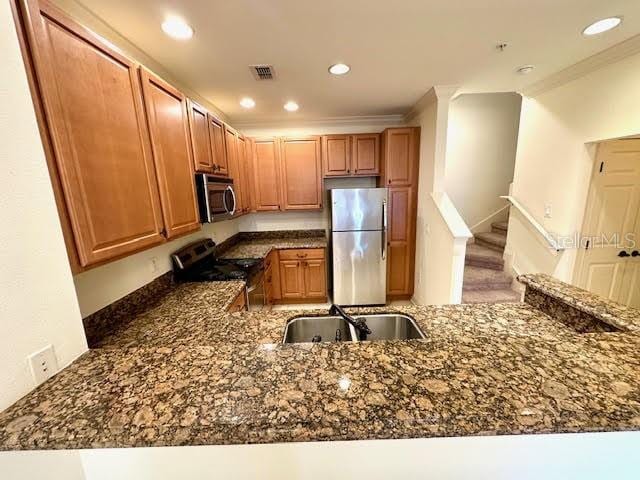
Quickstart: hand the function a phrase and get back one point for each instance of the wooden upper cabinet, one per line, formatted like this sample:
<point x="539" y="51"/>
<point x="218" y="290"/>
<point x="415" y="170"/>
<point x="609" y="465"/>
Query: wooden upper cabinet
<point x="247" y="174"/>
<point x="169" y="127"/>
<point x="218" y="147"/>
<point x="266" y="174"/>
<point x="401" y="156"/>
<point x="99" y="137"/>
<point x="231" y="143"/>
<point x="365" y="157"/>
<point x="336" y="155"/>
<point x="301" y="173"/>
<point x="200" y="144"/>
<point x="242" y="180"/>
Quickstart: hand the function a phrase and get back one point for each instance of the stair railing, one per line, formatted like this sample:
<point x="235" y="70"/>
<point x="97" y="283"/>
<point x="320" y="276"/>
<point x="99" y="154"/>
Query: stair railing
<point x="538" y="227"/>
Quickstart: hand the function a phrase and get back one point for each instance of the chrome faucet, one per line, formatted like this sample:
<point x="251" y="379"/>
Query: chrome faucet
<point x="360" y="324"/>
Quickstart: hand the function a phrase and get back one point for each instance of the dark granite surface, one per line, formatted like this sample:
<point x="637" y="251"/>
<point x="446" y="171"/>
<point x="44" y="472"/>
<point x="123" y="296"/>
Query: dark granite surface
<point x="259" y="244"/>
<point x="201" y="376"/>
<point x="607" y="311"/>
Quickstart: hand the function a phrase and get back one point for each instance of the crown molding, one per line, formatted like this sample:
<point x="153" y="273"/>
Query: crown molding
<point x="613" y="54"/>
<point x="435" y="93"/>
<point x="381" y="120"/>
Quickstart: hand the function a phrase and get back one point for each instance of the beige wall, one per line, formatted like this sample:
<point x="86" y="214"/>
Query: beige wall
<point x="38" y="305"/>
<point x="101" y="286"/>
<point x="481" y="152"/>
<point x="441" y="234"/>
<point x="554" y="159"/>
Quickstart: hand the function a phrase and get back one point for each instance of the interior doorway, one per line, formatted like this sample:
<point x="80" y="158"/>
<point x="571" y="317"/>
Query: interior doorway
<point x="609" y="257"/>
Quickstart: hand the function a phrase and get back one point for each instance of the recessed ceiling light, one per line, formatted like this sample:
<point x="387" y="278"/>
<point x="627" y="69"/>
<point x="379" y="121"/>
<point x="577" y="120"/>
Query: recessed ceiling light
<point x="602" y="26"/>
<point x="247" y="102"/>
<point x="291" y="106"/>
<point x="525" y="69"/>
<point x="177" y="28"/>
<point x="339" y="69"/>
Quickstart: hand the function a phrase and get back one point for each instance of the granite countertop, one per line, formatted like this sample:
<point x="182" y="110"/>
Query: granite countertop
<point x="188" y="373"/>
<point x="260" y="248"/>
<point x="607" y="311"/>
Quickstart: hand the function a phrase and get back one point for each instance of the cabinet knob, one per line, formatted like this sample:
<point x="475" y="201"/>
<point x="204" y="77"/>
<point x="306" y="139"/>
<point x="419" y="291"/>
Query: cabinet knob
<point x="623" y="254"/>
<point x="635" y="254"/>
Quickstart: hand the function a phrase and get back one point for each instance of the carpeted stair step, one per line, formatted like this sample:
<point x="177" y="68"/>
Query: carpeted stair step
<point x="492" y="240"/>
<point x="491" y="296"/>
<point x="479" y="256"/>
<point x="477" y="278"/>
<point x="499" y="227"/>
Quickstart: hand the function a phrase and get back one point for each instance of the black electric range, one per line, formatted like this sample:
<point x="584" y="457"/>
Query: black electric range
<point x="197" y="262"/>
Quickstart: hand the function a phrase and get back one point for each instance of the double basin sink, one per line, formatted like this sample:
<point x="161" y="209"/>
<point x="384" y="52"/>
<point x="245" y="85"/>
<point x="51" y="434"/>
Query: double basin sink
<point x="337" y="329"/>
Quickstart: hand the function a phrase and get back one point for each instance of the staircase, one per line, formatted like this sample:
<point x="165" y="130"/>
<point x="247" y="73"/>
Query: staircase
<point x="484" y="277"/>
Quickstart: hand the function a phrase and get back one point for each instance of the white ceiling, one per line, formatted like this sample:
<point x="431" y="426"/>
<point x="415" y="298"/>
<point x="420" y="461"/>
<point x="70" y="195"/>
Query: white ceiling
<point x="397" y="49"/>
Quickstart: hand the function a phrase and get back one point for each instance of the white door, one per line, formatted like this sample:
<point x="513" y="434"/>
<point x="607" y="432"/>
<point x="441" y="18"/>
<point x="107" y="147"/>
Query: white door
<point x="612" y="220"/>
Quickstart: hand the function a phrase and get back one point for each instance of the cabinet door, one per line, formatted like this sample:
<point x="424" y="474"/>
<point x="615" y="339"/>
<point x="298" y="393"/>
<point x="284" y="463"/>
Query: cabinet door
<point x="336" y="155"/>
<point x="401" y="161"/>
<point x="315" y="279"/>
<point x="273" y="263"/>
<point x="250" y="179"/>
<point x="168" y="124"/>
<point x="365" y="159"/>
<point x="400" y="267"/>
<point x="242" y="174"/>
<point x="266" y="175"/>
<point x="291" y="279"/>
<point x="99" y="137"/>
<point x="200" y="144"/>
<point x="218" y="147"/>
<point x="301" y="173"/>
<point x="231" y="142"/>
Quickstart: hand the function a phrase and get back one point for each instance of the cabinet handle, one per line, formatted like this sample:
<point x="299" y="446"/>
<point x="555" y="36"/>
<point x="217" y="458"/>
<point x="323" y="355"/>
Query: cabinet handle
<point x="623" y="254"/>
<point x="389" y="181"/>
<point x="635" y="254"/>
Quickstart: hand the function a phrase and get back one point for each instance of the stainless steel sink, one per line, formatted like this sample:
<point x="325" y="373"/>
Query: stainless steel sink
<point x="336" y="329"/>
<point x="318" y="329"/>
<point x="392" y="326"/>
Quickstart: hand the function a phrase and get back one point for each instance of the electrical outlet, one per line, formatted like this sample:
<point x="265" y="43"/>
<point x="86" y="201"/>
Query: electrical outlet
<point x="43" y="364"/>
<point x="547" y="210"/>
<point x="153" y="264"/>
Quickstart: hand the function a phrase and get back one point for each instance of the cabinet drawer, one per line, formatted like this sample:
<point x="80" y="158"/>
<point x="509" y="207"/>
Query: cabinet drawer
<point x="302" y="253"/>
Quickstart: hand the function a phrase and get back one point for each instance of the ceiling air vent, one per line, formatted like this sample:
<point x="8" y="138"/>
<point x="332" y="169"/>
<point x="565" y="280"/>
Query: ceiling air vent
<point x="262" y="72"/>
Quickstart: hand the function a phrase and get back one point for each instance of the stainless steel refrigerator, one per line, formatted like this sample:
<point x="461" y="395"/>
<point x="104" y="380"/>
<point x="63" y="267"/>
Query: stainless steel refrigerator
<point x="359" y="245"/>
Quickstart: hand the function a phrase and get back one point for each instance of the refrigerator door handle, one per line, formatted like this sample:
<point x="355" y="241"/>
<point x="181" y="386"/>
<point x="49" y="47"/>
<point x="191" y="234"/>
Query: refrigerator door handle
<point x="384" y="230"/>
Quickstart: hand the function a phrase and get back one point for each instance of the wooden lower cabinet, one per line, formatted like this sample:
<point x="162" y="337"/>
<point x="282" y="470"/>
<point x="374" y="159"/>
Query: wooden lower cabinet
<point x="272" y="278"/>
<point x="303" y="275"/>
<point x="239" y="304"/>
<point x="315" y="278"/>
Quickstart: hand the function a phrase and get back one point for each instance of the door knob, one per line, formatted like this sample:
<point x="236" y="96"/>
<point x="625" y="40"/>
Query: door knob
<point x="635" y="254"/>
<point x="623" y="254"/>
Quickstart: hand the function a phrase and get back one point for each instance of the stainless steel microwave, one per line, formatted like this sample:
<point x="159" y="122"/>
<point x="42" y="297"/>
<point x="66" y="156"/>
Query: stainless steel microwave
<point x="216" y="198"/>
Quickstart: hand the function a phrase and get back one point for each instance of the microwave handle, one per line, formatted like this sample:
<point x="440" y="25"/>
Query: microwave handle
<point x="233" y="195"/>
